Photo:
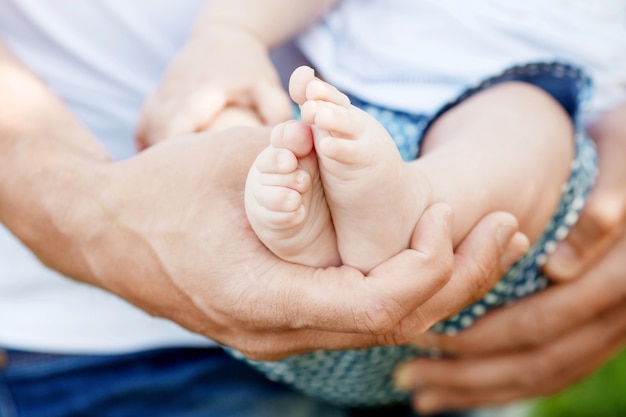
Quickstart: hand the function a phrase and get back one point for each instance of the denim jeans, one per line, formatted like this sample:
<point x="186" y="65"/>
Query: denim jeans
<point x="183" y="382"/>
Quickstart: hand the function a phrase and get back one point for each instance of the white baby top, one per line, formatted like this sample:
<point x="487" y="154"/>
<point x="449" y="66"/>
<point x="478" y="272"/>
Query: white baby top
<point x="102" y="57"/>
<point x="416" y="55"/>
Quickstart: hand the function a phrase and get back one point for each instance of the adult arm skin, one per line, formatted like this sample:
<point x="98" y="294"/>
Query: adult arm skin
<point x="166" y="230"/>
<point x="225" y="66"/>
<point x="551" y="340"/>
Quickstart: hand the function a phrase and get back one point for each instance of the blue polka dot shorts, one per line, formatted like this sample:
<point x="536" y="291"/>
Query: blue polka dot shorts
<point x="362" y="377"/>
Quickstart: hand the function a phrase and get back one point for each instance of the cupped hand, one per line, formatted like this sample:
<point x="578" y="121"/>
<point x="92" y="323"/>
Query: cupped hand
<point x="177" y="211"/>
<point x="218" y="69"/>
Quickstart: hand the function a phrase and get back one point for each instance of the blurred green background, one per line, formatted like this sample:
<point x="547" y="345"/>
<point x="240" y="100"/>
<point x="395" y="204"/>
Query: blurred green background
<point x="603" y="394"/>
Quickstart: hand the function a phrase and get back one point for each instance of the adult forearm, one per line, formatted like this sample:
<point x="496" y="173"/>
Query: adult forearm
<point x="46" y="168"/>
<point x="64" y="198"/>
<point x="122" y="226"/>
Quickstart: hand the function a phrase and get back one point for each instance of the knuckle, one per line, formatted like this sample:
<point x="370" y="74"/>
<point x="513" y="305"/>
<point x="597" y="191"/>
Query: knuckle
<point x="446" y="265"/>
<point x="415" y="326"/>
<point x="397" y="338"/>
<point x="480" y="280"/>
<point x="533" y="376"/>
<point x="529" y="328"/>
<point x="605" y="214"/>
<point x="388" y="324"/>
<point x="376" y="318"/>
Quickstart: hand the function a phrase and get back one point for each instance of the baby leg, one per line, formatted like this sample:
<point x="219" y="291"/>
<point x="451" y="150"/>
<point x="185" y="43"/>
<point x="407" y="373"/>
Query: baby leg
<point x="375" y="201"/>
<point x="509" y="148"/>
<point x="284" y="199"/>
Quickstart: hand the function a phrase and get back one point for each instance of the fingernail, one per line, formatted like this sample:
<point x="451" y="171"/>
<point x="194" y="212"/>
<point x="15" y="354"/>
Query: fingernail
<point x="402" y="378"/>
<point x="504" y="234"/>
<point x="563" y="262"/>
<point x="426" y="340"/>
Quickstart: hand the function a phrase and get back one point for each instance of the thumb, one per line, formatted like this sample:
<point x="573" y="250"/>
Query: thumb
<point x="598" y="228"/>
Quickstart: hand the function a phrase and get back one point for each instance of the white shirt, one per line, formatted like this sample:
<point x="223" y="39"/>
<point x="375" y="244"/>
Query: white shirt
<point x="102" y="57"/>
<point x="416" y="55"/>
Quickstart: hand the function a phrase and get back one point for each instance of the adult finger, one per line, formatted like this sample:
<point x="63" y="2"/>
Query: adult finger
<point x="468" y="383"/>
<point x="339" y="307"/>
<point x="603" y="218"/>
<point x="359" y="312"/>
<point x="481" y="259"/>
<point x="372" y="304"/>
<point x="536" y="320"/>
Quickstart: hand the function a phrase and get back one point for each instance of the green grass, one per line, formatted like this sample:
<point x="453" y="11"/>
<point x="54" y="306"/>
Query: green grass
<point x="603" y="394"/>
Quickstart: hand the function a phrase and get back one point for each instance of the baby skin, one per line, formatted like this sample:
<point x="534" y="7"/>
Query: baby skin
<point x="333" y="189"/>
<point x="312" y="195"/>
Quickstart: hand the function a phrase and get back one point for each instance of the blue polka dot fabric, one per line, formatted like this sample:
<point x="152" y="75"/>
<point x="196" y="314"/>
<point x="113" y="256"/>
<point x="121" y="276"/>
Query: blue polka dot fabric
<point x="362" y="377"/>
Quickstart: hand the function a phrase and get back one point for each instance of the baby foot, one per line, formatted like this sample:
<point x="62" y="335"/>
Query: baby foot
<point x="285" y="202"/>
<point x="374" y="201"/>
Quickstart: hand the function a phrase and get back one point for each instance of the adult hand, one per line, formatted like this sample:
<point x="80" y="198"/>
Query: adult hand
<point x="543" y="344"/>
<point x="536" y="347"/>
<point x="177" y="211"/>
<point x="218" y="69"/>
<point x="604" y="216"/>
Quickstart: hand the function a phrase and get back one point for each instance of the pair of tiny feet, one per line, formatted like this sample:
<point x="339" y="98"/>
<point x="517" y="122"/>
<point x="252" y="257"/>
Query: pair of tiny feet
<point x="332" y="189"/>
